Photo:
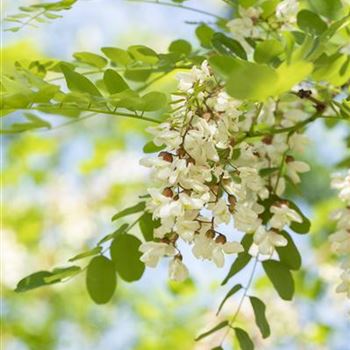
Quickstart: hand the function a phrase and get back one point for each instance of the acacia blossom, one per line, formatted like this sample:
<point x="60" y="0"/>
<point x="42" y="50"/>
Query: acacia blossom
<point x="340" y="239"/>
<point x="209" y="177"/>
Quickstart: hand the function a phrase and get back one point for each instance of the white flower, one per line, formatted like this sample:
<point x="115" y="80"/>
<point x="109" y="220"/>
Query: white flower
<point x="294" y="167"/>
<point x="203" y="247"/>
<point x="162" y="206"/>
<point x="282" y="216"/>
<point x="221" y="213"/>
<point x="344" y="286"/>
<point x="287" y="10"/>
<point x="187" y="79"/>
<point x="342" y="184"/>
<point x="246" y="219"/>
<point x="268" y="240"/>
<point x="251" y="179"/>
<point x="298" y="142"/>
<point x="177" y="270"/>
<point x="244" y="26"/>
<point x="154" y="251"/>
<point x="165" y="135"/>
<point x="186" y="227"/>
<point x="341" y="241"/>
<point x="219" y="249"/>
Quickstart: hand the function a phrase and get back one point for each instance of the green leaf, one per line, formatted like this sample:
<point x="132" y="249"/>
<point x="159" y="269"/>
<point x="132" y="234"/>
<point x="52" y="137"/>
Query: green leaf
<point x="242" y="258"/>
<point x="150" y="147"/>
<point x="247" y="80"/>
<point x="290" y="75"/>
<point x="269" y="7"/>
<point x="212" y="330"/>
<point x="304" y="226"/>
<point x="231" y="292"/>
<point x="101" y="279"/>
<point x="131" y="210"/>
<point x="310" y="22"/>
<point x="153" y="101"/>
<point x="60" y="273"/>
<point x="32" y="281"/>
<point x="78" y="82"/>
<point x="139" y="75"/>
<point x="147" y="226"/>
<point x="260" y="317"/>
<point x="267" y="50"/>
<point x="119" y="56"/>
<point x="181" y="47"/>
<point x="91" y="59"/>
<point x="86" y="254"/>
<point x="289" y="255"/>
<point x="44" y="278"/>
<point x="244" y="340"/>
<point x="281" y="278"/>
<point x="228" y="46"/>
<point x="205" y="35"/>
<point x="114" y="82"/>
<point x="126" y="257"/>
<point x="267" y="171"/>
<point x="241" y="261"/>
<point x="327" y="8"/>
<point x="143" y="53"/>
<point x="117" y="232"/>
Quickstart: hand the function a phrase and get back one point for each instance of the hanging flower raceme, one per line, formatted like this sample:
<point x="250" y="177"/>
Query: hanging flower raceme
<point x="340" y="239"/>
<point x="211" y="177"/>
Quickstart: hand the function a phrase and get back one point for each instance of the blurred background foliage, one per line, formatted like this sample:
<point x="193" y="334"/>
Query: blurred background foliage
<point x="61" y="187"/>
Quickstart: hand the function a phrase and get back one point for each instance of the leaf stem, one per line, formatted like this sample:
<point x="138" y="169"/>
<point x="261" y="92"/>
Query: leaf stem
<point x="246" y="289"/>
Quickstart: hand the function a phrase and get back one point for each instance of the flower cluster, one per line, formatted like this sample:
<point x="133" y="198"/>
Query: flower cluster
<point x="213" y="174"/>
<point x="341" y="238"/>
<point x="254" y="22"/>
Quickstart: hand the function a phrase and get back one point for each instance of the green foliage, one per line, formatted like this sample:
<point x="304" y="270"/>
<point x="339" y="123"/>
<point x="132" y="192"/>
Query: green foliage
<point x="77" y="82"/>
<point x="114" y="82"/>
<point x="219" y="326"/>
<point x="44" y="278"/>
<point x="38" y="13"/>
<point x="267" y="51"/>
<point x="242" y="259"/>
<point x="91" y="252"/>
<point x="150" y="147"/>
<point x="147" y="226"/>
<point x="243" y="338"/>
<point x="229" y="294"/>
<point x="281" y="278"/>
<point x="227" y="46"/>
<point x="101" y="279"/>
<point x="289" y="254"/>
<point x="180" y="47"/>
<point x="126" y="257"/>
<point x="310" y="22"/>
<point x="205" y="34"/>
<point x="260" y="316"/>
<point x="91" y="59"/>
<point x="129" y="211"/>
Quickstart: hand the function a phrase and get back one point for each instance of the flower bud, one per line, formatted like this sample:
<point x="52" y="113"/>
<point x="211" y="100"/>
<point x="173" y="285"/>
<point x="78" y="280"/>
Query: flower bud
<point x="232" y="200"/>
<point x="221" y="239"/>
<point x="168" y="192"/>
<point x="181" y="152"/>
<point x="289" y="159"/>
<point x="267" y="140"/>
<point x="210" y="234"/>
<point x="173" y="237"/>
<point x="168" y="157"/>
<point x="206" y="116"/>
